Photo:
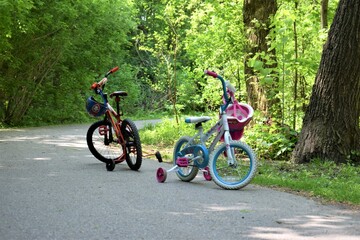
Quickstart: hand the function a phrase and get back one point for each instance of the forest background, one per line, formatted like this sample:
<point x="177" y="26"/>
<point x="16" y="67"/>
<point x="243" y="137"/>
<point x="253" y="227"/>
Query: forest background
<point x="51" y="52"/>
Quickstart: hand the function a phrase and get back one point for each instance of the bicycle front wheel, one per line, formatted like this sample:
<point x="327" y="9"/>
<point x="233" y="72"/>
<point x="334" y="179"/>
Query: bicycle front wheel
<point x="102" y="142"/>
<point x="188" y="173"/>
<point x="236" y="174"/>
<point x="133" y="144"/>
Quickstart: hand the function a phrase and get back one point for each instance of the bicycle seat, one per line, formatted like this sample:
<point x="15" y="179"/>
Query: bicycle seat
<point x="197" y="119"/>
<point x="118" y="93"/>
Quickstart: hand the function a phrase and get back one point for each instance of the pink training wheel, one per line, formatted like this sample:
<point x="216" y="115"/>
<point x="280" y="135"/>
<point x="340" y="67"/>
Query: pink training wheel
<point x="206" y="174"/>
<point x="161" y="175"/>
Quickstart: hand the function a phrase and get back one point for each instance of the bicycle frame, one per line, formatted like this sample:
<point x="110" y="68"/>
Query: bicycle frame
<point x="222" y="126"/>
<point x="110" y="114"/>
<point x="222" y="129"/>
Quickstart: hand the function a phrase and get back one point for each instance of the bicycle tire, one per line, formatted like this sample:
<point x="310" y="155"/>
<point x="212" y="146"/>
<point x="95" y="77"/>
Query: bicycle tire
<point x="104" y="146"/>
<point x="188" y="173"/>
<point x="133" y="144"/>
<point x="236" y="176"/>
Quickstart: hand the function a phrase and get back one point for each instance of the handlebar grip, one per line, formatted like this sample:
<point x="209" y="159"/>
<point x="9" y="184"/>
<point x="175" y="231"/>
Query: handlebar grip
<point x="112" y="71"/>
<point x="210" y="73"/>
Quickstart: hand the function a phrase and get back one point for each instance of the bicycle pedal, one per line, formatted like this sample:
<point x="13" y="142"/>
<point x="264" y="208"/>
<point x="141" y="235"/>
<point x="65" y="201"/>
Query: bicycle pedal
<point x="182" y="162"/>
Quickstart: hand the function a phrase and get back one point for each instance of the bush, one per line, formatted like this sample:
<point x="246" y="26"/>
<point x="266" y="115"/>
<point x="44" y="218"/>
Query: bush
<point x="271" y="142"/>
<point x="166" y="133"/>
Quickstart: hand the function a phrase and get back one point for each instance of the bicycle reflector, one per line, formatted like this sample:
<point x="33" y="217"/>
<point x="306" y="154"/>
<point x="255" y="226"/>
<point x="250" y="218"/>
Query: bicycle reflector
<point x="94" y="108"/>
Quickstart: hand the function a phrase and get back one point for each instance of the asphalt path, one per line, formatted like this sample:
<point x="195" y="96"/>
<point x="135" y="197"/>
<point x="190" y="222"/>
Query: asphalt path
<point x="51" y="187"/>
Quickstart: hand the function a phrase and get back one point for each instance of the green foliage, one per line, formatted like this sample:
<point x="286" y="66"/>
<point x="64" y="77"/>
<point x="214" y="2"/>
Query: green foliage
<point x="52" y="52"/>
<point x="210" y="34"/>
<point x="165" y="133"/>
<point x="302" y="60"/>
<point x="179" y="39"/>
<point x="271" y="142"/>
<point x="52" y="48"/>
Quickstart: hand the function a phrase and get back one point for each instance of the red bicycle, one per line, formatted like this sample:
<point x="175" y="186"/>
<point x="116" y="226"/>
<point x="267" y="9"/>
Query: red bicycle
<point x="112" y="140"/>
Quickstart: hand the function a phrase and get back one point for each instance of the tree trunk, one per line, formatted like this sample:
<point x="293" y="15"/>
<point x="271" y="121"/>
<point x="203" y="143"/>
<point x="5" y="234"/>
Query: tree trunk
<point x="331" y="123"/>
<point x="324" y="13"/>
<point x="257" y="15"/>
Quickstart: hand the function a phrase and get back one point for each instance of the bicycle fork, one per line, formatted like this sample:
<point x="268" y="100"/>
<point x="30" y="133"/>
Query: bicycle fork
<point x="230" y="153"/>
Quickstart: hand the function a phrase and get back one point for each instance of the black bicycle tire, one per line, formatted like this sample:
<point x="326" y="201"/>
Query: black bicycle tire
<point x="89" y="141"/>
<point x="129" y="124"/>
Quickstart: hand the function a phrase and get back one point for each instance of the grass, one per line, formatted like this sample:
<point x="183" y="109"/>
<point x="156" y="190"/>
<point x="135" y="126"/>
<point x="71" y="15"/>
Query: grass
<point x="320" y="179"/>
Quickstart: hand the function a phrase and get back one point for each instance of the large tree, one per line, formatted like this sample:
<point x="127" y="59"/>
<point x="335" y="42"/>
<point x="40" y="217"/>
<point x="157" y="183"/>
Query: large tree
<point x="331" y="123"/>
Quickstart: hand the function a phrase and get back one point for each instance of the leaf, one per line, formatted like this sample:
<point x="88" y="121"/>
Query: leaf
<point x="258" y="65"/>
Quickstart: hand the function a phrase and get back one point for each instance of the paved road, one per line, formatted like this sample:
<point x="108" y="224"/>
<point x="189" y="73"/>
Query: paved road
<point x="52" y="188"/>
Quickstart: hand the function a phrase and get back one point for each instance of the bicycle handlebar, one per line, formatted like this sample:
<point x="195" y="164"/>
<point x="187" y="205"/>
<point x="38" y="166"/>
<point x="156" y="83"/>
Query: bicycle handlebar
<point x="210" y="73"/>
<point x="215" y="75"/>
<point x="101" y="84"/>
<point x="112" y="71"/>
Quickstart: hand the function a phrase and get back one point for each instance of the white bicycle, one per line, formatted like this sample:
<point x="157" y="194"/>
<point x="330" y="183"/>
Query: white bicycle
<point x="232" y="164"/>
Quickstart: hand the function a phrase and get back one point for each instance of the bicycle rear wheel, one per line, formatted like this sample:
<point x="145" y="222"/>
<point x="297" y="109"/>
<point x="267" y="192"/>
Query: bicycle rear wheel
<point x="237" y="175"/>
<point x="188" y="173"/>
<point x="133" y="144"/>
<point x="102" y="142"/>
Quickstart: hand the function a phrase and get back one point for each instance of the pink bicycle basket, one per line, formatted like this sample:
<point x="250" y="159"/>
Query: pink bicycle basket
<point x="238" y="115"/>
